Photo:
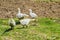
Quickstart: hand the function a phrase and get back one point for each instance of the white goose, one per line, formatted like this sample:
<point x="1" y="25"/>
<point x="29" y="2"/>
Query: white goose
<point x="33" y="15"/>
<point x="20" y="15"/>
<point x="11" y="23"/>
<point x="25" y="22"/>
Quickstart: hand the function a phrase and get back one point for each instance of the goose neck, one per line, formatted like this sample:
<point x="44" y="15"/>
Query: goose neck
<point x="30" y="11"/>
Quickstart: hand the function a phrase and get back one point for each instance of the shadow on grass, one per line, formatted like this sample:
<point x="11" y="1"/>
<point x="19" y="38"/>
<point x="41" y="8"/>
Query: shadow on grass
<point x="17" y="22"/>
<point x="6" y="31"/>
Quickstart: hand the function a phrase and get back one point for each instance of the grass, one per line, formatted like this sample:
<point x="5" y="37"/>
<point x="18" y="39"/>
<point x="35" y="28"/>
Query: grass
<point x="45" y="30"/>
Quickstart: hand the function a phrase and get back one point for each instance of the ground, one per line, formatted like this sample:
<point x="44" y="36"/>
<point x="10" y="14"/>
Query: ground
<point x="43" y="8"/>
<point x="46" y="29"/>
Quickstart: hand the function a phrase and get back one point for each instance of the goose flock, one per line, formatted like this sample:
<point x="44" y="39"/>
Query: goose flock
<point x="23" y="21"/>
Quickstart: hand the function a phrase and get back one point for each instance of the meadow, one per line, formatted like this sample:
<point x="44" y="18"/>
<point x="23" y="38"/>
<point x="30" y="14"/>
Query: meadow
<point x="46" y="29"/>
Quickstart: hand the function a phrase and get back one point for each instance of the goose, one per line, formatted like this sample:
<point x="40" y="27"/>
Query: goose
<point x="11" y="23"/>
<point x="20" y="15"/>
<point x="25" y="22"/>
<point x="33" y="15"/>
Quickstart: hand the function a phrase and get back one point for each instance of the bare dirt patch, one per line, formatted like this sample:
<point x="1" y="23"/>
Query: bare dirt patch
<point x="43" y="9"/>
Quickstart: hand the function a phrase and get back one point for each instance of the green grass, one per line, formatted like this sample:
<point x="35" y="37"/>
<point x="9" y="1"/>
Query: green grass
<point x="46" y="29"/>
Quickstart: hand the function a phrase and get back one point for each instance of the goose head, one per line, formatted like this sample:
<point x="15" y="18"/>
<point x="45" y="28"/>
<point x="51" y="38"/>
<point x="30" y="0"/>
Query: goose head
<point x="30" y="10"/>
<point x="19" y="10"/>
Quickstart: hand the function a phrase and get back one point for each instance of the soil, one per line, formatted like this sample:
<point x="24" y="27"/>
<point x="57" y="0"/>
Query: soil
<point x="42" y="9"/>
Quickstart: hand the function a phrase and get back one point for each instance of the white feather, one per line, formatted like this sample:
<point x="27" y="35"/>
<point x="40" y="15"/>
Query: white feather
<point x="11" y="21"/>
<point x="33" y="15"/>
<point x="25" y="21"/>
